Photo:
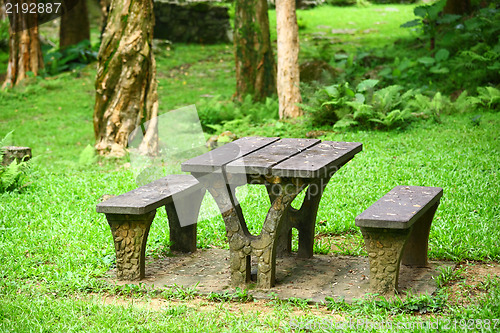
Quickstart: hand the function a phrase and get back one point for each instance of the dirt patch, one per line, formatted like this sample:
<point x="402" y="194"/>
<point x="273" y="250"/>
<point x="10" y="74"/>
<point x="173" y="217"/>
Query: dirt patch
<point x="471" y="282"/>
<point x="313" y="279"/>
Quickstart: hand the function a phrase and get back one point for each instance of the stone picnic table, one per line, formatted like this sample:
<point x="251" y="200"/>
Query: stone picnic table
<point x="286" y="167"/>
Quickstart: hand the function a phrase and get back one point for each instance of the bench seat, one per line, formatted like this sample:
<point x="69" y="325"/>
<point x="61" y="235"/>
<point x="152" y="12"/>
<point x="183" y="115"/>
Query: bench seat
<point x="396" y="229"/>
<point x="130" y="216"/>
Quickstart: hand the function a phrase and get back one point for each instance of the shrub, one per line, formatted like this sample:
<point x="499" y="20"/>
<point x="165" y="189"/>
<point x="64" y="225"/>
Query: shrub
<point x="365" y="106"/>
<point x="72" y="57"/>
<point x="216" y="112"/>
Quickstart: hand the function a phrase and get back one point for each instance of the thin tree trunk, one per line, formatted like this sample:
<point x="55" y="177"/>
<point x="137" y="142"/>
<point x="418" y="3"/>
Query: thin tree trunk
<point x="126" y="87"/>
<point x="75" y="25"/>
<point x="288" y="59"/>
<point x="255" y="65"/>
<point x="25" y="54"/>
<point x="3" y="15"/>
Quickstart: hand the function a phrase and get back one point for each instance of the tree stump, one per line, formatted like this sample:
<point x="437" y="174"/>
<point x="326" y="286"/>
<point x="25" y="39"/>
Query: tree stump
<point x="11" y="153"/>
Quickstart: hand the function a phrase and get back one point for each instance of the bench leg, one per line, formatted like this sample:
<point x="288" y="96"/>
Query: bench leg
<point x="130" y="234"/>
<point x="385" y="248"/>
<point x="415" y="251"/>
<point x="182" y="220"/>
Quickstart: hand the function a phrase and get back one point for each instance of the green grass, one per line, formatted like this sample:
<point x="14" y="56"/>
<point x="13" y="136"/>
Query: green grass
<point x="55" y="246"/>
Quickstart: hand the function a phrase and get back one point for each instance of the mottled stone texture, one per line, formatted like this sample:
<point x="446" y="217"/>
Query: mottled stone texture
<point x="396" y="229"/>
<point x="242" y="244"/>
<point x="130" y="234"/>
<point x="302" y="219"/>
<point x="385" y="248"/>
<point x="12" y="153"/>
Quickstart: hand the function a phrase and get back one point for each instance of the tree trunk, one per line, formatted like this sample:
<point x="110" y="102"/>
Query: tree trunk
<point x="459" y="7"/>
<point x="25" y="54"/>
<point x="255" y="65"/>
<point x="126" y="87"/>
<point x="104" y="4"/>
<point x="3" y="15"/>
<point x="288" y="59"/>
<point x="74" y="25"/>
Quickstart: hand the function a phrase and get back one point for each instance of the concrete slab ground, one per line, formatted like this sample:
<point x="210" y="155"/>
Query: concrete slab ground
<point x="314" y="279"/>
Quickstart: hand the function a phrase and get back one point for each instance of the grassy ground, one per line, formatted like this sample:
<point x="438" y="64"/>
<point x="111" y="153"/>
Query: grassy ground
<point x="55" y="247"/>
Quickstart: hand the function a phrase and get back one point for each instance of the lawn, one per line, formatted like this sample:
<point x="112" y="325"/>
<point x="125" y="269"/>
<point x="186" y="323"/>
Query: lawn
<point x="55" y="247"/>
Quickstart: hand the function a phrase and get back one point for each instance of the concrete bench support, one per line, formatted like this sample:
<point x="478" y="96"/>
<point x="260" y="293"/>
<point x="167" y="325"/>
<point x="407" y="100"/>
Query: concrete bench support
<point x="396" y="229"/>
<point x="130" y="216"/>
<point x="130" y="234"/>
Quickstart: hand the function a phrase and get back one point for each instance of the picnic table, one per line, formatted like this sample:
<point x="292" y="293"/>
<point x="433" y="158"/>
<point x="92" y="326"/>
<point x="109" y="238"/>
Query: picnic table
<point x="286" y="167"/>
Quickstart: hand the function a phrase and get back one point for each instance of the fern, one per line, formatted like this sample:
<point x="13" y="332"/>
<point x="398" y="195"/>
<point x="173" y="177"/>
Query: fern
<point x="489" y="97"/>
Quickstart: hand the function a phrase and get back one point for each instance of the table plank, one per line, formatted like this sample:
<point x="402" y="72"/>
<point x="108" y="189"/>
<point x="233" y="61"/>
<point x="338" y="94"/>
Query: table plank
<point x="317" y="160"/>
<point x="261" y="161"/>
<point x="215" y="159"/>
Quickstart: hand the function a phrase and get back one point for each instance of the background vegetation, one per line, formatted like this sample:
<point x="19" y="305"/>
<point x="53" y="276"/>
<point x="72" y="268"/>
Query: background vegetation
<point x="437" y="117"/>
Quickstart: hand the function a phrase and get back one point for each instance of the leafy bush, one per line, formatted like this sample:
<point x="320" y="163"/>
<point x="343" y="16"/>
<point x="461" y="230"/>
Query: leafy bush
<point x="215" y="113"/>
<point x="468" y="54"/>
<point x="72" y="57"/>
<point x="429" y="18"/>
<point x="488" y="98"/>
<point x="12" y="176"/>
<point x="364" y="106"/>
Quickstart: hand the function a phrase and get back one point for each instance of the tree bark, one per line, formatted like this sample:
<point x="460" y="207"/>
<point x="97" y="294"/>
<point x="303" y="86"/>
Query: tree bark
<point x="288" y="60"/>
<point x="459" y="7"/>
<point x="25" y="54"/>
<point x="126" y="86"/>
<point x="75" y="25"/>
<point x="255" y="65"/>
<point x="3" y="15"/>
<point x="104" y="4"/>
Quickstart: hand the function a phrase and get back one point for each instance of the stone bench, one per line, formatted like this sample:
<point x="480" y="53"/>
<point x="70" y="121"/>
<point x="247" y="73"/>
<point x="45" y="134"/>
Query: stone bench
<point x="130" y="216"/>
<point x="396" y="229"/>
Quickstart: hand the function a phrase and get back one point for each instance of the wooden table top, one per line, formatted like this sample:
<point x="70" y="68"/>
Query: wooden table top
<point x="301" y="158"/>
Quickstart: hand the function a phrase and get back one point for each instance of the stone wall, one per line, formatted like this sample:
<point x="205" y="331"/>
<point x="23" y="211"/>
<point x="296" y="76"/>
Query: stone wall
<point x="193" y="22"/>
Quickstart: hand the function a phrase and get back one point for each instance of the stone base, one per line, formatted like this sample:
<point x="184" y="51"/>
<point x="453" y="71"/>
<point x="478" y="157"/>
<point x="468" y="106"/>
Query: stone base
<point x="314" y="279"/>
<point x="12" y="153"/>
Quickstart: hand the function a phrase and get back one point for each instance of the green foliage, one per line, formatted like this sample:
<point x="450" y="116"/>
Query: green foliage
<point x="239" y="295"/>
<point x="12" y="176"/>
<point x="429" y="18"/>
<point x="366" y="107"/>
<point x="179" y="292"/>
<point x="488" y="98"/>
<point x="215" y="113"/>
<point x="411" y="304"/>
<point x="72" y="57"/>
<point x="468" y="51"/>
<point x="448" y="275"/>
